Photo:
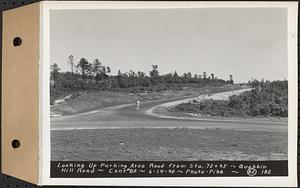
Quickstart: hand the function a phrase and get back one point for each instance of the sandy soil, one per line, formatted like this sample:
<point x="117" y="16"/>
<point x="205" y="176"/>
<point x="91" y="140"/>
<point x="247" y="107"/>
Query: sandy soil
<point x="215" y="96"/>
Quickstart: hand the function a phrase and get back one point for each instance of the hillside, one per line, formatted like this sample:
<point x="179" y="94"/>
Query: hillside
<point x="266" y="99"/>
<point x="88" y="101"/>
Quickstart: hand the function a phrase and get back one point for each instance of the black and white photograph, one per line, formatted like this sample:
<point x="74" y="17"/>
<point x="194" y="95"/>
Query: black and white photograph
<point x="181" y="84"/>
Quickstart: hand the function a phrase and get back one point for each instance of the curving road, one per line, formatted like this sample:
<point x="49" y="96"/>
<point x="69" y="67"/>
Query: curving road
<point x="126" y="116"/>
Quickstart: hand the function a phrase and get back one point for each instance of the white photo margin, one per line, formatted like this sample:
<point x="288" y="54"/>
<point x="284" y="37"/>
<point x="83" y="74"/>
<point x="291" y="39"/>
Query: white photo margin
<point x="45" y="138"/>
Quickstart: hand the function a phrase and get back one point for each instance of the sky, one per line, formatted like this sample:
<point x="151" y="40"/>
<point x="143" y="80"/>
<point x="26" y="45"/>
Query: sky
<point x="249" y="43"/>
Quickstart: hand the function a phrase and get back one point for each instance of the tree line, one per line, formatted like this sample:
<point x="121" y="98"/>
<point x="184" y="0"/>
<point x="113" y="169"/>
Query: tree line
<point x="85" y="75"/>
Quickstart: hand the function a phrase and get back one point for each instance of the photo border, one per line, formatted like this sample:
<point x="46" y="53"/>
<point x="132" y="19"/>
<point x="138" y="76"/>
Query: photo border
<point x="45" y="152"/>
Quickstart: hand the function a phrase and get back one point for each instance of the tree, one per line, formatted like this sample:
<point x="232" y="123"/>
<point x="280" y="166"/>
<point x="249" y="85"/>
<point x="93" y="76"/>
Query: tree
<point x="71" y="62"/>
<point x="54" y="73"/>
<point x="212" y="76"/>
<point x="141" y="74"/>
<point x="255" y="84"/>
<point x="204" y="75"/>
<point x="154" y="72"/>
<point x="119" y="73"/>
<point x="103" y="70"/>
<point x="97" y="69"/>
<point x="184" y="75"/>
<point x="108" y="70"/>
<point x="84" y="67"/>
<point x="175" y="77"/>
<point x="131" y="73"/>
<point x="230" y="79"/>
<point x="109" y="81"/>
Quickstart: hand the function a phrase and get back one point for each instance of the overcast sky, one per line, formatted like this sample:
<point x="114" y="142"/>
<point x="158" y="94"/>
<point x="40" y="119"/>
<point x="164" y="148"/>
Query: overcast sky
<point x="247" y="43"/>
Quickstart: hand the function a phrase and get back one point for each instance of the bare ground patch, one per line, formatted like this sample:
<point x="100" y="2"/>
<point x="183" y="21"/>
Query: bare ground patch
<point x="168" y="144"/>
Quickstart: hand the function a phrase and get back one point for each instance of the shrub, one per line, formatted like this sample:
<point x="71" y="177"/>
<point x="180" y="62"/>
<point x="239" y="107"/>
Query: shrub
<point x="266" y="99"/>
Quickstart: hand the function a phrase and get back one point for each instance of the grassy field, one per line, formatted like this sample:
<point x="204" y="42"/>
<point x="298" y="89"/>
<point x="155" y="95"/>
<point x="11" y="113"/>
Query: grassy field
<point x="168" y="144"/>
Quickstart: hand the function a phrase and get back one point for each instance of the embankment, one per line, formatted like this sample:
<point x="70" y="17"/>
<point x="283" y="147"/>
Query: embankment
<point x="96" y="100"/>
<point x="163" y="110"/>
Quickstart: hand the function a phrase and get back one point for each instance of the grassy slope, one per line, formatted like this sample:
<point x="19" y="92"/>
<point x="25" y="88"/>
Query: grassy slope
<point x="96" y="100"/>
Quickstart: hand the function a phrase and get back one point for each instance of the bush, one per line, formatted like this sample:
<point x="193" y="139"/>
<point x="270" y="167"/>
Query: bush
<point x="266" y="99"/>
